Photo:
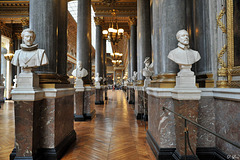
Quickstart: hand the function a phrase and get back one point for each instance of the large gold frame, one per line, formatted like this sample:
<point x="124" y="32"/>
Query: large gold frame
<point x="232" y="70"/>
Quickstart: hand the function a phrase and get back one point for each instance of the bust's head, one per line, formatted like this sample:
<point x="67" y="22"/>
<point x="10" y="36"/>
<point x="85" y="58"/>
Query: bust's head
<point x="79" y="64"/>
<point x="183" y="37"/>
<point x="28" y="36"/>
<point x="147" y="61"/>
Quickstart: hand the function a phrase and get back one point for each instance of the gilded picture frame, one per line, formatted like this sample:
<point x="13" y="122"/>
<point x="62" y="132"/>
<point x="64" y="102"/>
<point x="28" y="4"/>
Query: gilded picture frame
<point x="233" y="70"/>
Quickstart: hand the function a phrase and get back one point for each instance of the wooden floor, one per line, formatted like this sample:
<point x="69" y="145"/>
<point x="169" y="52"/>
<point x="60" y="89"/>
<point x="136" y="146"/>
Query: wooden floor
<point x="113" y="134"/>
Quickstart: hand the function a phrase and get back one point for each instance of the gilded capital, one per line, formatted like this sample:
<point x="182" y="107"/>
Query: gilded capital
<point x="25" y="22"/>
<point x="132" y="21"/>
<point x="98" y="21"/>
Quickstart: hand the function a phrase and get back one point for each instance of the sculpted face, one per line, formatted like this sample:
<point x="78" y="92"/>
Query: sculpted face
<point x="79" y="64"/>
<point x="28" y="38"/>
<point x="183" y="37"/>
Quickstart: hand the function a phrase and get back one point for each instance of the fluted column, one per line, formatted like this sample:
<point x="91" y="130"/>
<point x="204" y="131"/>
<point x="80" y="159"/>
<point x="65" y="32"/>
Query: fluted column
<point x="143" y="34"/>
<point x="84" y="36"/>
<point x="133" y="44"/>
<point x="165" y="26"/>
<point x="99" y="51"/>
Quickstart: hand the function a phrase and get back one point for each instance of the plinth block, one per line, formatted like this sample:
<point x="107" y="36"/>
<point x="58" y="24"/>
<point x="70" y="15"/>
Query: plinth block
<point x="189" y="109"/>
<point x="78" y="106"/>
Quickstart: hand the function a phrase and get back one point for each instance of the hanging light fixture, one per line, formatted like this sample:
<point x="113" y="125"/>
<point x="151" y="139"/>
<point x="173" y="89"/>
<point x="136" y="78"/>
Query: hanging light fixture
<point x="114" y="35"/>
<point x="116" y="57"/>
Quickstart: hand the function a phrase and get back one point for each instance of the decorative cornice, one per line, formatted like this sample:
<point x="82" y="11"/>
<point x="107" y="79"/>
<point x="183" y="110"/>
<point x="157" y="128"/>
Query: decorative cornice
<point x="14" y="4"/>
<point x="99" y="21"/>
<point x="132" y="21"/>
<point x="25" y="22"/>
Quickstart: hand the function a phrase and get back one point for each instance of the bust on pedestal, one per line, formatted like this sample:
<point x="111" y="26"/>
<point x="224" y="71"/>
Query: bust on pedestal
<point x="28" y="58"/>
<point x="79" y="73"/>
<point x="185" y="94"/>
<point x="147" y="71"/>
<point x="185" y="88"/>
<point x="134" y="77"/>
<point x="97" y="81"/>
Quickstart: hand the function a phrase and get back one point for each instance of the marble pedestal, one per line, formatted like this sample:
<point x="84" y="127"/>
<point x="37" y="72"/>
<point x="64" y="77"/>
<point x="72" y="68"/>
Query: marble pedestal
<point x="44" y="126"/>
<point x="78" y="104"/>
<point x="131" y="98"/>
<point x="1" y="94"/>
<point x="105" y="90"/>
<point x="139" y="108"/>
<point x="89" y="102"/>
<point x="189" y="109"/>
<point x="99" y="95"/>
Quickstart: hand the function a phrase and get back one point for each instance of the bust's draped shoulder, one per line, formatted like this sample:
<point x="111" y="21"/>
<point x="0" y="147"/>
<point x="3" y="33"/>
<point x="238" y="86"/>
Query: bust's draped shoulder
<point x="15" y="60"/>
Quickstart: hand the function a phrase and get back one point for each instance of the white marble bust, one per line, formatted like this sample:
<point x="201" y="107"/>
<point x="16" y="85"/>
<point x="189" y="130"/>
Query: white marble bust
<point x="79" y="72"/>
<point x="29" y="56"/>
<point x="97" y="78"/>
<point x="183" y="55"/>
<point x="134" y="77"/>
<point x="148" y="69"/>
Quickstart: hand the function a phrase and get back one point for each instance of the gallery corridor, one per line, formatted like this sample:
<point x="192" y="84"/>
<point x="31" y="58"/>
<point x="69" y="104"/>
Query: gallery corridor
<point x="113" y="134"/>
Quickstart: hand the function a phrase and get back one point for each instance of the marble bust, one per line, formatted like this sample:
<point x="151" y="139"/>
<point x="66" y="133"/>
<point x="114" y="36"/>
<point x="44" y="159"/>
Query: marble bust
<point x="183" y="55"/>
<point x="97" y="81"/>
<point x="134" y="77"/>
<point x="148" y="69"/>
<point x="29" y="56"/>
<point x="97" y="78"/>
<point x="185" y="88"/>
<point x="79" y="72"/>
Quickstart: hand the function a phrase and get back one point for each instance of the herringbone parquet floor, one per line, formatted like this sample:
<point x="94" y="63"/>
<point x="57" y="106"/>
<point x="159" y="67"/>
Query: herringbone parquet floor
<point x="114" y="134"/>
<point x="7" y="130"/>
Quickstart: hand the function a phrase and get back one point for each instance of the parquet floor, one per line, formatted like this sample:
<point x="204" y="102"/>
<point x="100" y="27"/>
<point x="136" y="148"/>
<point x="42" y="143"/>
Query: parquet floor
<point x="7" y="130"/>
<point x="113" y="134"/>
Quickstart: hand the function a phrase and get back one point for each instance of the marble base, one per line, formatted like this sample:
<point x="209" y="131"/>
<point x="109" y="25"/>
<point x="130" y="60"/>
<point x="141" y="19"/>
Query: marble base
<point x="106" y="96"/>
<point x="78" y="106"/>
<point x="189" y="109"/>
<point x="2" y="94"/>
<point x="139" y="110"/>
<point x="89" y="102"/>
<point x="45" y="124"/>
<point x="131" y="99"/>
<point x="99" y="96"/>
<point x="27" y="128"/>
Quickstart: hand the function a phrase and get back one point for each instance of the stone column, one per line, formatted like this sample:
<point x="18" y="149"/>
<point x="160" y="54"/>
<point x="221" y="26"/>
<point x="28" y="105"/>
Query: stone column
<point x="99" y="51"/>
<point x="133" y="44"/>
<point x="62" y="41"/>
<point x="84" y="37"/>
<point x="104" y="58"/>
<point x="143" y="35"/>
<point x="1" y="80"/>
<point x="46" y="29"/>
<point x="84" y="55"/>
<point x="105" y="67"/>
<point x="99" y="58"/>
<point x="165" y="26"/>
<point x="129" y="60"/>
<point x="8" y="81"/>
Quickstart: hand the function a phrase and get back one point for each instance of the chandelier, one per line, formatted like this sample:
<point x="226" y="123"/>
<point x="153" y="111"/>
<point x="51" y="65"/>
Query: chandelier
<point x="113" y="35"/>
<point x="116" y="57"/>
